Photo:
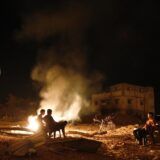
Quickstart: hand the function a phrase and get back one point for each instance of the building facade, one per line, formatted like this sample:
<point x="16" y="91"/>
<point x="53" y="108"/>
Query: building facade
<point x="126" y="98"/>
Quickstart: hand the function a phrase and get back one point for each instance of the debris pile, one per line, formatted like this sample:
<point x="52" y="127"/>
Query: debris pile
<point x="105" y="123"/>
<point x="83" y="141"/>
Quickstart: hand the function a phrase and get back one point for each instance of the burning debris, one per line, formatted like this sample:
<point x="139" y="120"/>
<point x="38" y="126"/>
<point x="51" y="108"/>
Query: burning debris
<point x="32" y="123"/>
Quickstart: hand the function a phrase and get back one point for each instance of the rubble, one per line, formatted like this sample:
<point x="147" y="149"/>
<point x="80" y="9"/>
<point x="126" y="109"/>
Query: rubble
<point x="115" y="144"/>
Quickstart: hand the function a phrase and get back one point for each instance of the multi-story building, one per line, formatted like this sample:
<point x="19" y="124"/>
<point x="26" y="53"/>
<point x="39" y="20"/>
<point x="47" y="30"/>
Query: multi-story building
<point x="125" y="97"/>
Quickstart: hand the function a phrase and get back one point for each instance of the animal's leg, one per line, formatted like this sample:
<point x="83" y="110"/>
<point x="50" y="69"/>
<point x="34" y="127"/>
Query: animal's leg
<point x="63" y="131"/>
<point x="60" y="133"/>
<point x="54" y="134"/>
<point x="49" y="133"/>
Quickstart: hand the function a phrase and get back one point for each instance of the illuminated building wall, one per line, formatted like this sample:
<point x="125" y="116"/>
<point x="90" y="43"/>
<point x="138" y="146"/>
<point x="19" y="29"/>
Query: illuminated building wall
<point x="126" y="98"/>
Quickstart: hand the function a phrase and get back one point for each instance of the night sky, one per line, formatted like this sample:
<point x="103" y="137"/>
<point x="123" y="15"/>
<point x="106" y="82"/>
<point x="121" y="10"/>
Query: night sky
<point x="119" y="39"/>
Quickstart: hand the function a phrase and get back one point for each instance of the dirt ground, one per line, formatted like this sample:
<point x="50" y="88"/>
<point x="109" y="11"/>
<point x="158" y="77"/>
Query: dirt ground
<point x="117" y="144"/>
<point x="120" y="144"/>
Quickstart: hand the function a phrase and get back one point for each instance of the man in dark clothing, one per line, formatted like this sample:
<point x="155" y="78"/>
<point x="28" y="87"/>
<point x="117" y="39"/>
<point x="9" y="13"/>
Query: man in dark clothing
<point x="50" y="122"/>
<point x="148" y="129"/>
<point x="140" y="134"/>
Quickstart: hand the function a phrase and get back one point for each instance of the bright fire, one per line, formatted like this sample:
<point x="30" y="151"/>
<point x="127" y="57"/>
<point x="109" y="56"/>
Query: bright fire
<point x="32" y="123"/>
<point x="72" y="113"/>
<point x="65" y="113"/>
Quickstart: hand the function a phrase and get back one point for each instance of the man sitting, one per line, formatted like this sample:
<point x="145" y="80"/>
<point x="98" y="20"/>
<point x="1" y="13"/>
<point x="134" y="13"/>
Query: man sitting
<point x="40" y="119"/>
<point x="50" y="122"/>
<point x="148" y="129"/>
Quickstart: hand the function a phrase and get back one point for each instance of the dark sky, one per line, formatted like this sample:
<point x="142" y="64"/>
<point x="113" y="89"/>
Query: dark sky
<point x="120" y="39"/>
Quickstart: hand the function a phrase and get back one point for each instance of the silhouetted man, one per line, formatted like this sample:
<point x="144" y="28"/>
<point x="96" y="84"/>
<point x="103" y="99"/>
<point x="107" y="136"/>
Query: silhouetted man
<point x="50" y="122"/>
<point x="40" y="119"/>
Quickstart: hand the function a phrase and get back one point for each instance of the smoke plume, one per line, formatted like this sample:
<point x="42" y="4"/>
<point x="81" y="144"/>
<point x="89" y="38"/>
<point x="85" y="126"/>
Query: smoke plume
<point x="65" y="87"/>
<point x="62" y="65"/>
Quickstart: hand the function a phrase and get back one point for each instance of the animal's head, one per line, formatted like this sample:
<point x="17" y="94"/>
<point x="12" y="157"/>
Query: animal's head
<point x="65" y="122"/>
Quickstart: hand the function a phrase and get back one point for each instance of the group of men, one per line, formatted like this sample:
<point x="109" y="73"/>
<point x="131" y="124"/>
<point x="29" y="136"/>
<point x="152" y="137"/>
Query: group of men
<point x="46" y="123"/>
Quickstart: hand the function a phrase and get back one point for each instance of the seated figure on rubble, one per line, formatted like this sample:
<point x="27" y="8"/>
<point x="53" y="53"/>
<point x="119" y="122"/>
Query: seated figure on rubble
<point x="50" y="122"/>
<point x="148" y="129"/>
<point x="40" y="120"/>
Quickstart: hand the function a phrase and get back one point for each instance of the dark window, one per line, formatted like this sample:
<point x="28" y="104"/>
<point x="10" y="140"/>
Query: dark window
<point x="116" y="101"/>
<point x="129" y="101"/>
<point x="108" y="101"/>
<point x="105" y="102"/>
<point x="96" y="103"/>
<point x="141" y="102"/>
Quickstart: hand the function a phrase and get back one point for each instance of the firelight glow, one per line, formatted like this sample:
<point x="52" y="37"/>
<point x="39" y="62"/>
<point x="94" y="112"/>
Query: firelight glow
<point x="70" y="115"/>
<point x="32" y="123"/>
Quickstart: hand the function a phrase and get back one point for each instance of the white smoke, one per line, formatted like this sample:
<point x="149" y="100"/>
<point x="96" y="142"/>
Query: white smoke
<point x="61" y="69"/>
<point x="63" y="91"/>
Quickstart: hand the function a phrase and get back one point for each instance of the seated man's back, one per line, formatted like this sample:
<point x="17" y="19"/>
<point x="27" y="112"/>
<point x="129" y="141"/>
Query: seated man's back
<point x="49" y="121"/>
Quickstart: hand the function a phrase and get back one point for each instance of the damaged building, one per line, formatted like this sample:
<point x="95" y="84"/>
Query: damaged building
<point x="126" y="98"/>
